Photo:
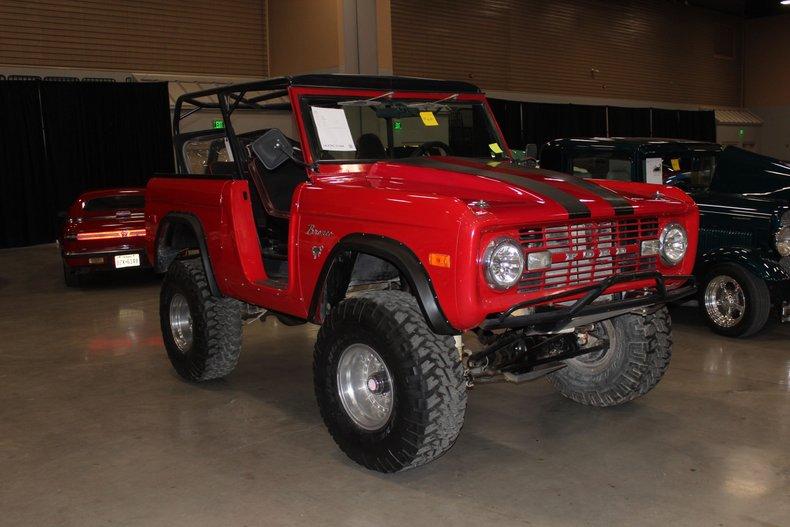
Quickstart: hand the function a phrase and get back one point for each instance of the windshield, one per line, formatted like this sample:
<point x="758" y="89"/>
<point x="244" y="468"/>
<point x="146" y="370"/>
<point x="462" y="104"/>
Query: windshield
<point x="346" y="129"/>
<point x="689" y="170"/>
<point x="111" y="203"/>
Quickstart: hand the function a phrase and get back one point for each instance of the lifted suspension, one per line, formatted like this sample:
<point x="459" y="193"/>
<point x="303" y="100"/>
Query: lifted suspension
<point x="515" y="356"/>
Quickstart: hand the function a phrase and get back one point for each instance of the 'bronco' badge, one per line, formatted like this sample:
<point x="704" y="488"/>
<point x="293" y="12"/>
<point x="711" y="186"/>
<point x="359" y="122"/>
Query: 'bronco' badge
<point x="312" y="230"/>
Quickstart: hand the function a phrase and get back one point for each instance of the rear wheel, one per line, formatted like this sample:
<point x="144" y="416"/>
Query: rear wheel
<point x="202" y="333"/>
<point x="636" y="357"/>
<point x="70" y="276"/>
<point x="391" y="392"/>
<point x="734" y="302"/>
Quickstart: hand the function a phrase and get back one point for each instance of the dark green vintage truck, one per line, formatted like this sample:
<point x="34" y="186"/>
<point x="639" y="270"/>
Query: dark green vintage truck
<point x="743" y="263"/>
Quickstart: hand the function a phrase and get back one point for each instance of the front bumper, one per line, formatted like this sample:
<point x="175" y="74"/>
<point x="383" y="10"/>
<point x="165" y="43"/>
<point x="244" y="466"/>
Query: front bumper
<point x="585" y="311"/>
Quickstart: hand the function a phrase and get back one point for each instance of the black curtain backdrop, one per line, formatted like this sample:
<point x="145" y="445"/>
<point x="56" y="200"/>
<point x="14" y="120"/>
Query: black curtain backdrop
<point x="22" y="167"/>
<point x="508" y="114"/>
<point x="527" y="122"/>
<point x="629" y="122"/>
<point x="544" y="122"/>
<point x="70" y="137"/>
<point x="666" y="123"/>
<point x="684" y="124"/>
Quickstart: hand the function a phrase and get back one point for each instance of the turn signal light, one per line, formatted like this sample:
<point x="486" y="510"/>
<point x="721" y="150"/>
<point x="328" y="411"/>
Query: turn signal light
<point x="106" y="235"/>
<point x="439" y="260"/>
<point x="537" y="261"/>
<point x="650" y="247"/>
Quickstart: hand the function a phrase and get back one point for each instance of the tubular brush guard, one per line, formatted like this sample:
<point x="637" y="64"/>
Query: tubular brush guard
<point x="583" y="311"/>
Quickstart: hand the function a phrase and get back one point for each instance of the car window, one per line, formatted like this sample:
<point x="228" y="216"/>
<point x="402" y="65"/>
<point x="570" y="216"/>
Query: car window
<point x="111" y="203"/>
<point x="603" y="166"/>
<point x="201" y="151"/>
<point x="343" y="129"/>
<point x="691" y="171"/>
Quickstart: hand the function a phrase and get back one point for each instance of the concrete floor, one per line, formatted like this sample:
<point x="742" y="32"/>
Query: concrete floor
<point x="96" y="429"/>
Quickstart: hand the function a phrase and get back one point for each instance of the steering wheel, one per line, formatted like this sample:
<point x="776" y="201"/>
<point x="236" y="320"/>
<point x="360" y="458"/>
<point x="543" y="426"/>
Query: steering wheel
<point x="424" y="148"/>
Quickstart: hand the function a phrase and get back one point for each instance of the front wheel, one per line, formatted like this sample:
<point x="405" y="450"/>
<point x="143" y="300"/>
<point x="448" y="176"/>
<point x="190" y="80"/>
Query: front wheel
<point x="636" y="353"/>
<point x="202" y="332"/>
<point x="390" y="391"/>
<point x="734" y="302"/>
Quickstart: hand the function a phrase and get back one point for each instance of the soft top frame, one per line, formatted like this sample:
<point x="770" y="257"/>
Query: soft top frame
<point x="234" y="96"/>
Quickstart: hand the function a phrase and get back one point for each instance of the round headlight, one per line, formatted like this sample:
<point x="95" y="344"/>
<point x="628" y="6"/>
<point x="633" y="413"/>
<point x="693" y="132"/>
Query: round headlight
<point x="673" y="243"/>
<point x="783" y="241"/>
<point x="503" y="262"/>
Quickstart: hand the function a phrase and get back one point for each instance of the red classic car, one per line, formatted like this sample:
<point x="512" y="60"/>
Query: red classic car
<point x="103" y="230"/>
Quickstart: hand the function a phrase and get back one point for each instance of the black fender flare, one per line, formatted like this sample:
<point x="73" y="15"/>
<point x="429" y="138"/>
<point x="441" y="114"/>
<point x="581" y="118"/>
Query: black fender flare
<point x="751" y="259"/>
<point x="192" y="222"/>
<point x="407" y="264"/>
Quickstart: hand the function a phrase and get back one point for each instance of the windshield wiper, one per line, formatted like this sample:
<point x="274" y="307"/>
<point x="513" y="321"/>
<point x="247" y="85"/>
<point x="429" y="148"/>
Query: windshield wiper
<point x="373" y="101"/>
<point x="432" y="106"/>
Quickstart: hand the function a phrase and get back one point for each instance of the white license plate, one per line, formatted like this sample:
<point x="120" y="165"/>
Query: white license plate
<point x="127" y="260"/>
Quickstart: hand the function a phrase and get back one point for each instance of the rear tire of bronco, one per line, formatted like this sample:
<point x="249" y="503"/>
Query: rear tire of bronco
<point x="391" y="392"/>
<point x="202" y="333"/>
<point x="638" y="356"/>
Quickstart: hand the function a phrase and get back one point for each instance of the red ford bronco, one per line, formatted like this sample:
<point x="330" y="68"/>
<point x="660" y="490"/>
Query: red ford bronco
<point x="389" y="211"/>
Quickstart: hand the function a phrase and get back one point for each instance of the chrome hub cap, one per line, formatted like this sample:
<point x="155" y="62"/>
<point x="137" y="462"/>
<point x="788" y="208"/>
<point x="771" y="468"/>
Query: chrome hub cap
<point x="725" y="302"/>
<point x="364" y="385"/>
<point x="180" y="322"/>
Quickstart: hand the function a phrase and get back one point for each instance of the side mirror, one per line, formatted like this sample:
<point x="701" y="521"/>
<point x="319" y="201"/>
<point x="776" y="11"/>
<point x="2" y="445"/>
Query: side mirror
<point x="531" y="151"/>
<point x="273" y="149"/>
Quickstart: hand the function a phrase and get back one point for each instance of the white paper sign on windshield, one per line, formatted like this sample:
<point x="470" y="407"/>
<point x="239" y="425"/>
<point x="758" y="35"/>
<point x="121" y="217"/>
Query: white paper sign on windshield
<point x="333" y="131"/>
<point x="653" y="170"/>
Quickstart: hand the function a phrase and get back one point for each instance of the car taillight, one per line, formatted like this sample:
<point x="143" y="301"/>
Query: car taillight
<point x="106" y="235"/>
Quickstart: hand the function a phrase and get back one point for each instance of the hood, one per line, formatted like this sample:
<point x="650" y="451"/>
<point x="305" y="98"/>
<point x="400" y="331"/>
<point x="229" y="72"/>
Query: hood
<point x="742" y="205"/>
<point x="739" y="171"/>
<point x="507" y="185"/>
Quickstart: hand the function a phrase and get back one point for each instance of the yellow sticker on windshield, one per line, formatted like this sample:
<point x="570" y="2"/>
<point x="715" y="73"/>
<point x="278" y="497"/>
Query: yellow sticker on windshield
<point x="676" y="164"/>
<point x="428" y="119"/>
<point x="495" y="148"/>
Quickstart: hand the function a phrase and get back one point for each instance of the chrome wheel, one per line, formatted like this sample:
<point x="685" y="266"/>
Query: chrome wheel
<point x="365" y="386"/>
<point x="725" y="301"/>
<point x="181" y="322"/>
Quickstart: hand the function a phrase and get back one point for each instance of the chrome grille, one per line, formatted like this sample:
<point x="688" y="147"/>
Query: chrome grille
<point x="587" y="252"/>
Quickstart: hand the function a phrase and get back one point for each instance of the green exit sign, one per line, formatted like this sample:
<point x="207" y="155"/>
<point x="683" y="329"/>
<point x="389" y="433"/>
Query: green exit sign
<point x="219" y="124"/>
<point x="397" y="125"/>
<point x="741" y="131"/>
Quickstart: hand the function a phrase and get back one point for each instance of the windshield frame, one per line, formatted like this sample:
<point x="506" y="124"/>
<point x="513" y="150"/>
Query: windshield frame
<point x="300" y="95"/>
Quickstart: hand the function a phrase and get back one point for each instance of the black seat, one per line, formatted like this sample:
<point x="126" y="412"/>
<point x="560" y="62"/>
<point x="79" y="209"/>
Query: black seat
<point x="369" y="146"/>
<point x="276" y="187"/>
<point x="222" y="168"/>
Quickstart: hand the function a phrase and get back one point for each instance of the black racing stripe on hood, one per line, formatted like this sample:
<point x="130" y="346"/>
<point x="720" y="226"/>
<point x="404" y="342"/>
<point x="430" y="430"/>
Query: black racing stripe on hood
<point x="621" y="205"/>
<point x="574" y="207"/>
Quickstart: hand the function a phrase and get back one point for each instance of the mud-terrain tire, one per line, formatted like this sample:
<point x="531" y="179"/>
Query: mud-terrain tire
<point x="638" y="356"/>
<point x="425" y="376"/>
<point x="202" y="333"/>
<point x="71" y="277"/>
<point x="744" y="288"/>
